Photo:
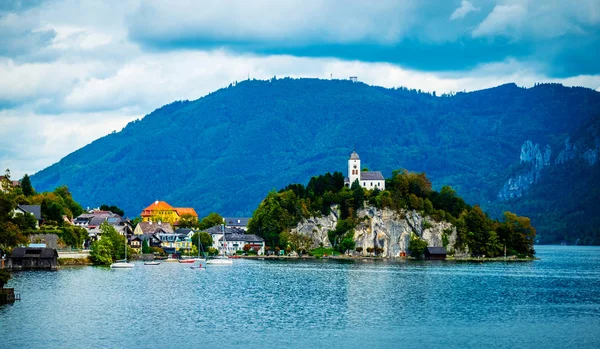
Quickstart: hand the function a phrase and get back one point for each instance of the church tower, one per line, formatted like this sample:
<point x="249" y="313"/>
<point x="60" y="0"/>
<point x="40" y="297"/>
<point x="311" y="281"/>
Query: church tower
<point x="353" y="167"/>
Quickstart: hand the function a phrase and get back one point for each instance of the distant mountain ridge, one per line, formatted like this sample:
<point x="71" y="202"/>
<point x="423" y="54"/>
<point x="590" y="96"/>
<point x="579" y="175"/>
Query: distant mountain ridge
<point x="224" y="151"/>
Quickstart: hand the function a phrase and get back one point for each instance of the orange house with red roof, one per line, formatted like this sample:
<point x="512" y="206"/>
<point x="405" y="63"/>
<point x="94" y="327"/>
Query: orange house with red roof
<point x="162" y="211"/>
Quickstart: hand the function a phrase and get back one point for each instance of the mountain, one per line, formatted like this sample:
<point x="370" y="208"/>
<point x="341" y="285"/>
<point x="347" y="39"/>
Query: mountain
<point x="224" y="151"/>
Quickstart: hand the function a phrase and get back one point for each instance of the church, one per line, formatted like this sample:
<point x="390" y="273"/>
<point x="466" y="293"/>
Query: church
<point x="367" y="179"/>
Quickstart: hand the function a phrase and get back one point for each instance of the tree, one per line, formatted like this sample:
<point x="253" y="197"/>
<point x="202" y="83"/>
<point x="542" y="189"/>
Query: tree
<point x="205" y="239"/>
<point x="4" y="277"/>
<point x="247" y="247"/>
<point x="417" y="246"/>
<point x="146" y="247"/>
<point x="114" y="209"/>
<point x="110" y="247"/>
<point x="210" y="221"/>
<point x="188" y="221"/>
<point x="370" y="250"/>
<point x="101" y="252"/>
<point x="347" y="244"/>
<point x="26" y="186"/>
<point x="359" y="249"/>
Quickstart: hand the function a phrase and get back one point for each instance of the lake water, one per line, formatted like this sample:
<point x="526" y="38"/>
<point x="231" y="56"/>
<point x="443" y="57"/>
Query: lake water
<point x="550" y="303"/>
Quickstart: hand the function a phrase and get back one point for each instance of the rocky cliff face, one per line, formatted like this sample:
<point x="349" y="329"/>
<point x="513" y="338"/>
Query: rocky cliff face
<point x="535" y="158"/>
<point x="386" y="229"/>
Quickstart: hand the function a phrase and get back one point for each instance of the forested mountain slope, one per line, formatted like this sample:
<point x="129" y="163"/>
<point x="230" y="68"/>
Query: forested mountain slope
<point x="224" y="151"/>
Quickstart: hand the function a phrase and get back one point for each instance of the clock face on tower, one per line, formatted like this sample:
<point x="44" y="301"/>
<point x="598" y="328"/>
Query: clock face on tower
<point x="354" y="166"/>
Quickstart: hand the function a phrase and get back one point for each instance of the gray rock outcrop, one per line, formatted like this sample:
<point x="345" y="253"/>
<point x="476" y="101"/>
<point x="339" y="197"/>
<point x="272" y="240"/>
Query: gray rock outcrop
<point x="385" y="229"/>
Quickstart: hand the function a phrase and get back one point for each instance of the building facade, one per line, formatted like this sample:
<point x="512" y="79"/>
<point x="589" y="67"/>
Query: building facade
<point x="367" y="179"/>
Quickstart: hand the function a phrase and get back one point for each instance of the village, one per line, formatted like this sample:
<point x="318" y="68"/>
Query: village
<point x="160" y="229"/>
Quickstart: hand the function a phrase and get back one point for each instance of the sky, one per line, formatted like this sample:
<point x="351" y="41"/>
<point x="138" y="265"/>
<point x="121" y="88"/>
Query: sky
<point x="72" y="71"/>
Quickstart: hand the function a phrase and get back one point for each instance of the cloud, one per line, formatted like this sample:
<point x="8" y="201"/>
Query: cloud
<point x="504" y="20"/>
<point x="461" y="12"/>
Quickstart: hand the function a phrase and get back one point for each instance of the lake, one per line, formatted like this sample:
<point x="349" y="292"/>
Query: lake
<point x="550" y="303"/>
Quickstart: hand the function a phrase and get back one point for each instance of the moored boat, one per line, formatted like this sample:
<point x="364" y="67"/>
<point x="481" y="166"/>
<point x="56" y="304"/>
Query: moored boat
<point x="151" y="263"/>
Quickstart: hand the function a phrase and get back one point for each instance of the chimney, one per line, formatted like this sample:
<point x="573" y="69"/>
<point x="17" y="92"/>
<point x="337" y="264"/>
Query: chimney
<point x="156" y="202"/>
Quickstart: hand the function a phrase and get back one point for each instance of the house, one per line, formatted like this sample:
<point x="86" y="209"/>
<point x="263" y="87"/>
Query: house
<point x="153" y="228"/>
<point x="367" y="179"/>
<point x="435" y="253"/>
<point x="235" y="239"/>
<point x="33" y="258"/>
<point x="92" y="221"/>
<point x="35" y="210"/>
<point x="235" y="242"/>
<point x="237" y="222"/>
<point x="135" y="242"/>
<point x="162" y="211"/>
<point x="5" y="184"/>
<point x="185" y="231"/>
<point x="173" y="243"/>
<point x="153" y="240"/>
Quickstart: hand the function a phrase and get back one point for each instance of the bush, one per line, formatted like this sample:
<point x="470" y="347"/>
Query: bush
<point x="417" y="247"/>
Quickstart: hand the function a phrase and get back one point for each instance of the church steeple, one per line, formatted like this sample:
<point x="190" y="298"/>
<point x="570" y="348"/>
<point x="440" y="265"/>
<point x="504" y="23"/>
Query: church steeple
<point x="353" y="167"/>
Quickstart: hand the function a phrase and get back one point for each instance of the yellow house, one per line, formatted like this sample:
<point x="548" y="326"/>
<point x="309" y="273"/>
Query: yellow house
<point x="163" y="212"/>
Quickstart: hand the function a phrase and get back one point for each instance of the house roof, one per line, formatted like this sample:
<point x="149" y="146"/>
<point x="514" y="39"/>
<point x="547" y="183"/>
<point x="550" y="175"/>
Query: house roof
<point x="242" y="237"/>
<point x="24" y="252"/>
<point x="186" y="210"/>
<point x="151" y="227"/>
<point x="145" y="237"/>
<point x="236" y="221"/>
<point x="371" y="176"/>
<point x="436" y="250"/>
<point x="184" y="231"/>
<point x="159" y="206"/>
<point x="35" y="209"/>
<point x="228" y="230"/>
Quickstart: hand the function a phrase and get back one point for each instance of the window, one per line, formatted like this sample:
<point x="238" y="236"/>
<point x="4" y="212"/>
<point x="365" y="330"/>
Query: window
<point x="364" y="184"/>
<point x="371" y="183"/>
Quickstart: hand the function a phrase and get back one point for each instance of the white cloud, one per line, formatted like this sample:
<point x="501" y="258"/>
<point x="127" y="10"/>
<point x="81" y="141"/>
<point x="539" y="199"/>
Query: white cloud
<point x="504" y="20"/>
<point x="319" y="21"/>
<point x="463" y="10"/>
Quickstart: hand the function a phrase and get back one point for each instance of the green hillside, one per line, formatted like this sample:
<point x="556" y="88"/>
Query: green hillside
<point x="225" y="151"/>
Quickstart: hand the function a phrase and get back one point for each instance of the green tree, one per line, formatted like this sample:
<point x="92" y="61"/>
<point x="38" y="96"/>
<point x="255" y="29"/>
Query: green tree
<point x="347" y="244"/>
<point x="213" y="219"/>
<point x="417" y="246"/>
<point x="101" y="252"/>
<point x="146" y="247"/>
<point x="114" y="209"/>
<point x="26" y="186"/>
<point x="4" y="277"/>
<point x="205" y="239"/>
<point x="188" y="221"/>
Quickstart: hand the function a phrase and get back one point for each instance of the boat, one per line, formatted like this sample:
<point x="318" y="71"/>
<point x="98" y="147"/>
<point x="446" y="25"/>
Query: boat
<point x="191" y="260"/>
<point x="221" y="260"/>
<point x="151" y="263"/>
<point x="122" y="263"/>
<point x="199" y="266"/>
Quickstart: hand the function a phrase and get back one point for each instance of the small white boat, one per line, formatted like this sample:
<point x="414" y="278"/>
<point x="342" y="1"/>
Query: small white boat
<point x="151" y="263"/>
<point x="122" y="265"/>
<point x="220" y="261"/>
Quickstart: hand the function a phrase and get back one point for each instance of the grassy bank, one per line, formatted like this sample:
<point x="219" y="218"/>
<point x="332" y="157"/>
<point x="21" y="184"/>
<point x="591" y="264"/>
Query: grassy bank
<point x="74" y="261"/>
